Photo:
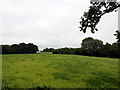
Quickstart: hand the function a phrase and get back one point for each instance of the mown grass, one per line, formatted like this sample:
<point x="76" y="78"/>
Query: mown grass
<point x="58" y="71"/>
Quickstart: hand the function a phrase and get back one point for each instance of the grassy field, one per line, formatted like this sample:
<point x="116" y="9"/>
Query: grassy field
<point x="58" y="71"/>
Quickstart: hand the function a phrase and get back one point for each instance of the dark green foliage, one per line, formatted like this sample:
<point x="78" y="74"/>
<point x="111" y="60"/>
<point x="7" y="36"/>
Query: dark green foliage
<point x="95" y="47"/>
<point x="107" y="48"/>
<point x="19" y="49"/>
<point x="78" y="51"/>
<point x="6" y="49"/>
<point x="15" y="48"/>
<point x="32" y="48"/>
<point x="91" y="18"/>
<point x="48" y="50"/>
<point x="92" y="47"/>
<point x="0" y="49"/>
<point x="64" y="51"/>
<point x="118" y="37"/>
<point x="114" y="50"/>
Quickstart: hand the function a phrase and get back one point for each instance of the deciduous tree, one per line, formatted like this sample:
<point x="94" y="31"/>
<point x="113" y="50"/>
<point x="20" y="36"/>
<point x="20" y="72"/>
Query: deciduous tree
<point x="91" y="18"/>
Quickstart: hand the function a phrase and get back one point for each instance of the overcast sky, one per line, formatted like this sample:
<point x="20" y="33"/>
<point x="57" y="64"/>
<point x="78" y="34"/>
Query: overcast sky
<point x="50" y="23"/>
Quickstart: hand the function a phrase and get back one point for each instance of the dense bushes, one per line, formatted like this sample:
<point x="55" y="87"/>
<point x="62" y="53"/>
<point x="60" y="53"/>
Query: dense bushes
<point x="89" y="47"/>
<point x="92" y="47"/>
<point x="48" y="50"/>
<point x="19" y="48"/>
<point x="64" y="51"/>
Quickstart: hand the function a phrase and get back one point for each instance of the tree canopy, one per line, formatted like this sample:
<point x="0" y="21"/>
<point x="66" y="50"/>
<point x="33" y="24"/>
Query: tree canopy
<point x="20" y="48"/>
<point x="90" y="47"/>
<point x="91" y="18"/>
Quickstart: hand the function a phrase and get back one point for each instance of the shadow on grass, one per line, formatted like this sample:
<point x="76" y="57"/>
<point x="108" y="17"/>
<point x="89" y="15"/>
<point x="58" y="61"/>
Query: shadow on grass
<point x="61" y="76"/>
<point x="102" y="80"/>
<point x="8" y="86"/>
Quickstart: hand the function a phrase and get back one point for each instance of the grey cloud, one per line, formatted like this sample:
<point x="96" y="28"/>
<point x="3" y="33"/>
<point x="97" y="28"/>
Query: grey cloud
<point x="50" y="23"/>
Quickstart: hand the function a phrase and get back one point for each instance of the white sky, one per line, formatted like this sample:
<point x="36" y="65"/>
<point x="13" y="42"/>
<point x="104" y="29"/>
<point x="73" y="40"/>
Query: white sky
<point x="50" y="23"/>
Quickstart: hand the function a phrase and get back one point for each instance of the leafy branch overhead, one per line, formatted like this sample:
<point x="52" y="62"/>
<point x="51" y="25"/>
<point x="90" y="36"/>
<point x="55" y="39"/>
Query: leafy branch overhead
<point x="96" y="11"/>
<point x="91" y="18"/>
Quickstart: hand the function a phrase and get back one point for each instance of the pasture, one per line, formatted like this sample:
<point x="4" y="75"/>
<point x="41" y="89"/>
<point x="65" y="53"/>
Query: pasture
<point x="58" y="71"/>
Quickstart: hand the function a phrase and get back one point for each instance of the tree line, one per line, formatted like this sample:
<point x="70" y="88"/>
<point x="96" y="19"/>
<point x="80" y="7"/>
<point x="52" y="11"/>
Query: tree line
<point x="21" y="48"/>
<point x="90" y="47"/>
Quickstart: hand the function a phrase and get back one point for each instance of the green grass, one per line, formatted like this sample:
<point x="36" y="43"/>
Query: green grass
<point x="58" y="71"/>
